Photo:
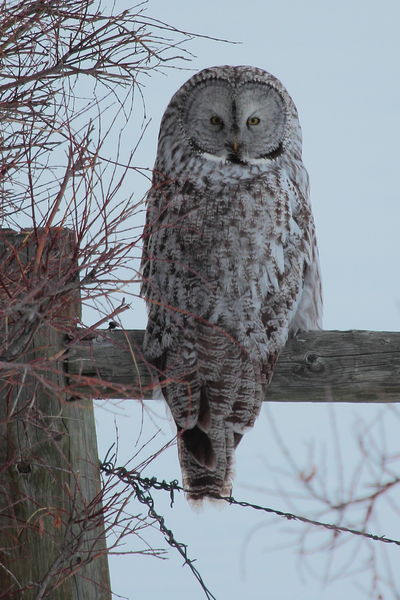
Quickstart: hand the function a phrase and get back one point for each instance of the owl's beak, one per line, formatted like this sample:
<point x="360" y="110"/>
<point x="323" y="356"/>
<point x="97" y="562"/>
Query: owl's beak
<point x="235" y="146"/>
<point x="234" y="154"/>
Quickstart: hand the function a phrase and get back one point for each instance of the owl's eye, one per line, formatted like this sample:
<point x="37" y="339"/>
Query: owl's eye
<point x="216" y="120"/>
<point x="253" y="121"/>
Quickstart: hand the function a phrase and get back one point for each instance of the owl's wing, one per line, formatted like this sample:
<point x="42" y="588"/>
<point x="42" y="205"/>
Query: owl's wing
<point x="308" y="314"/>
<point x="153" y="223"/>
<point x="293" y="300"/>
<point x="158" y="266"/>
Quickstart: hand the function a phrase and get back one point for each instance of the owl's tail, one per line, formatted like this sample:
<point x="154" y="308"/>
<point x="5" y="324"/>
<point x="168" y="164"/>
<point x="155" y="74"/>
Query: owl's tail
<point x="206" y="459"/>
<point x="206" y="451"/>
<point x="214" y="392"/>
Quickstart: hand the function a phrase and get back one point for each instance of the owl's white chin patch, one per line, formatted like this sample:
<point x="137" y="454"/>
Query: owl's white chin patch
<point x="259" y="161"/>
<point x="213" y="157"/>
<point x="244" y="161"/>
<point x="226" y="160"/>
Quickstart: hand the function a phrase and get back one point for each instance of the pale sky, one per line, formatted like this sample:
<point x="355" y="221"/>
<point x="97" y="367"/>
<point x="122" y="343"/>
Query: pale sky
<point x="339" y="61"/>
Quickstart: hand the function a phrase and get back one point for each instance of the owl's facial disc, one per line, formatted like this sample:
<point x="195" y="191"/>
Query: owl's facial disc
<point x="235" y="124"/>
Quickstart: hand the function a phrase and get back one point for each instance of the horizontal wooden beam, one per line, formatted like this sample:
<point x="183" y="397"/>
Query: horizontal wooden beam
<point x="317" y="366"/>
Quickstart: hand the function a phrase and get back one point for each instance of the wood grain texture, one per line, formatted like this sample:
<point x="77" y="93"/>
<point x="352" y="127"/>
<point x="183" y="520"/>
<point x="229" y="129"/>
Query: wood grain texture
<point x="339" y="366"/>
<point x="51" y="530"/>
<point x="318" y="366"/>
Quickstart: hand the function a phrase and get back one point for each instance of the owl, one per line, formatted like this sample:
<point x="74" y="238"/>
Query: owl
<point x="230" y="263"/>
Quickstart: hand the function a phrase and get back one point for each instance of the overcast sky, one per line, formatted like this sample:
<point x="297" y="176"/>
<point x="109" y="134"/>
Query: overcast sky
<point x="340" y="62"/>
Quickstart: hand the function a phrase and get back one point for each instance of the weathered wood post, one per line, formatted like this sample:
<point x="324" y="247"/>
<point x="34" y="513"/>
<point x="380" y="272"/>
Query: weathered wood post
<point x="52" y="542"/>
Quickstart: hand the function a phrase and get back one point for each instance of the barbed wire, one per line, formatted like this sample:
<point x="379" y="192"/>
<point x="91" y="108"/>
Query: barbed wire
<point x="173" y="486"/>
<point x="292" y="517"/>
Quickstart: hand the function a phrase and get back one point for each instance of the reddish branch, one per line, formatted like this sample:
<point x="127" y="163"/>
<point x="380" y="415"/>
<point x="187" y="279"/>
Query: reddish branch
<point x="72" y="208"/>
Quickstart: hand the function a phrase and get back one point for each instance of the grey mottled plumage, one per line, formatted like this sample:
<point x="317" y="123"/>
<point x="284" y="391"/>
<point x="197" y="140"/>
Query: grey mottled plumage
<point x="230" y="262"/>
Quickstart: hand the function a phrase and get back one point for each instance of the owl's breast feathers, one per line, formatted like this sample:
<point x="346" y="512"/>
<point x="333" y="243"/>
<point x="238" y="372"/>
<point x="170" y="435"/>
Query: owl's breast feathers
<point x="233" y="254"/>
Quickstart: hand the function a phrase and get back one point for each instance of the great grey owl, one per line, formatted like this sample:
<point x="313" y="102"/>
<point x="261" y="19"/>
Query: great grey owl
<point x="230" y="262"/>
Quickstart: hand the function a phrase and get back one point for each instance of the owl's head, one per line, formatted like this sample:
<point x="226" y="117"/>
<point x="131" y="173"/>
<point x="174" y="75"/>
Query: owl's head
<point x="237" y="114"/>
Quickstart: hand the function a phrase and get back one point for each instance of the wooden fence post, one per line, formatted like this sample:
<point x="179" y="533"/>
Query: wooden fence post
<point x="52" y="542"/>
